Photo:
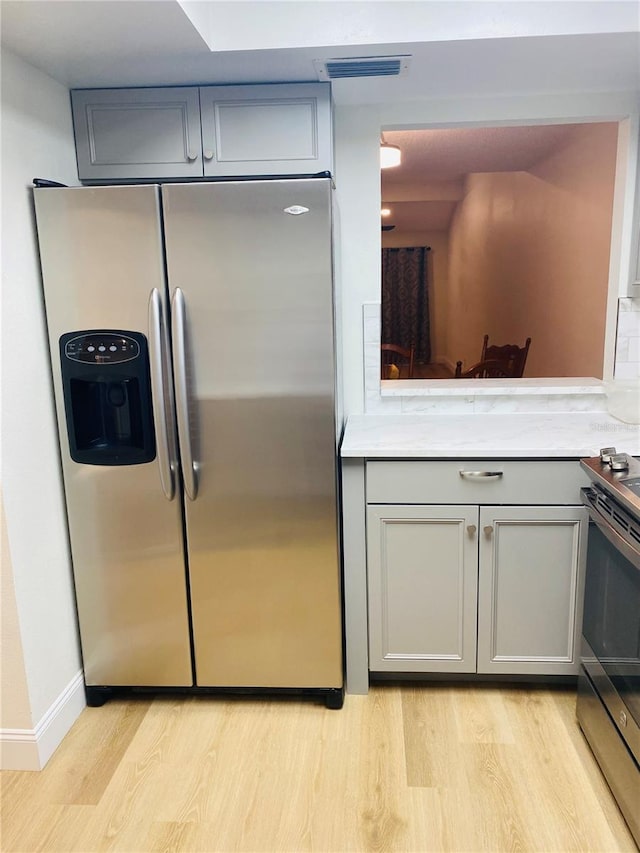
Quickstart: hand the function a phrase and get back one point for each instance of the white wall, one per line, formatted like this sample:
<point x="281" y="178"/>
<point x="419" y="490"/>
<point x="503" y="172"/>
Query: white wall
<point x="37" y="141"/>
<point x="357" y="136"/>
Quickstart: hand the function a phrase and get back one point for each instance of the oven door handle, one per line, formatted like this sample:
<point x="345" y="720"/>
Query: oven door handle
<point x="632" y="554"/>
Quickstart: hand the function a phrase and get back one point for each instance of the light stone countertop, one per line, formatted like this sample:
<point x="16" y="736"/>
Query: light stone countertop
<point x="490" y="387"/>
<point x="503" y="436"/>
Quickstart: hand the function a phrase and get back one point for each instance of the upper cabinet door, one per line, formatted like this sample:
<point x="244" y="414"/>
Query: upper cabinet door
<point x="137" y="134"/>
<point x="280" y="129"/>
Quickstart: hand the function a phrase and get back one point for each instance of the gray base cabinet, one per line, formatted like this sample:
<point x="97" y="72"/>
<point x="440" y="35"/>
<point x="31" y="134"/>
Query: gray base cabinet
<point x="202" y="132"/>
<point x="470" y="587"/>
<point x="423" y="584"/>
<point x="529" y="589"/>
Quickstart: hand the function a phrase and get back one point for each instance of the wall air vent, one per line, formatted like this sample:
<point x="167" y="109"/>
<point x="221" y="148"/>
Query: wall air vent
<point x="362" y="66"/>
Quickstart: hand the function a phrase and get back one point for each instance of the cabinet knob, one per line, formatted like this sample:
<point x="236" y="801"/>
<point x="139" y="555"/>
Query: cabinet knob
<point x="471" y="529"/>
<point x="208" y="155"/>
<point x="191" y="156"/>
<point x="488" y="530"/>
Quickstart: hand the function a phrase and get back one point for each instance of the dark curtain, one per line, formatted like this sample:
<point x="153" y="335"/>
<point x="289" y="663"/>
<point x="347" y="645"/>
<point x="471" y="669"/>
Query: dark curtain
<point x="405" y="300"/>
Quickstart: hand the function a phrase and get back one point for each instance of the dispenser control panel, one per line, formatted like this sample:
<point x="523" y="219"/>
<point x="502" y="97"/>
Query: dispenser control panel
<point x="101" y="348"/>
<point x="106" y="384"/>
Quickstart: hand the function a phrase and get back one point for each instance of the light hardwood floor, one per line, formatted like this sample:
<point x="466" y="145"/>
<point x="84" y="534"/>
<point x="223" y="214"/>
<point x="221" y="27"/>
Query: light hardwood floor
<point x="429" y="767"/>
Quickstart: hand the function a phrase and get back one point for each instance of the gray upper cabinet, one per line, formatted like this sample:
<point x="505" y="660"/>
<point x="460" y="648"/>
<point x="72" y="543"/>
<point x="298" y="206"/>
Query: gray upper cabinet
<point x="137" y="134"/>
<point x="266" y="130"/>
<point x="208" y="132"/>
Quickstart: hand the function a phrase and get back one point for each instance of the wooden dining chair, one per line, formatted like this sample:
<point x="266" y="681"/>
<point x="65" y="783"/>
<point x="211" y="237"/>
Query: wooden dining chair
<point x="490" y="368"/>
<point x="511" y="354"/>
<point x="402" y="358"/>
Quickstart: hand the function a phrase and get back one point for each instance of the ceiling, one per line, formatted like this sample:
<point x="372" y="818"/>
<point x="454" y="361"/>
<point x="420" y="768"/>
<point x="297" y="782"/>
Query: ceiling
<point x="450" y="153"/>
<point x="422" y="192"/>
<point x="457" y="48"/>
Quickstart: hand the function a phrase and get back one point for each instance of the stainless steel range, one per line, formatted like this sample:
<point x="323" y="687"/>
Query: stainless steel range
<point x="609" y="685"/>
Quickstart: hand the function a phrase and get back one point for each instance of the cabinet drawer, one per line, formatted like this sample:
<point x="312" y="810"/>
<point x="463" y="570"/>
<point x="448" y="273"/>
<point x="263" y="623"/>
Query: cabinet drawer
<point x="441" y="482"/>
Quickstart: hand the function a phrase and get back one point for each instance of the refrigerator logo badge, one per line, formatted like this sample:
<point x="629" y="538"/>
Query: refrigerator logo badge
<point x="296" y="209"/>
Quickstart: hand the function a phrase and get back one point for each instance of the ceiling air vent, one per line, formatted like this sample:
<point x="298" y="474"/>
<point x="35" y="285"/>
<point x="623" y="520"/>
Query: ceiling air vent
<point x="362" y="66"/>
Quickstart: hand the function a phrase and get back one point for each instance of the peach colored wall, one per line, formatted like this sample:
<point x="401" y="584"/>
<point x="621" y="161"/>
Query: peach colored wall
<point x="438" y="280"/>
<point x="529" y="257"/>
<point x="15" y="709"/>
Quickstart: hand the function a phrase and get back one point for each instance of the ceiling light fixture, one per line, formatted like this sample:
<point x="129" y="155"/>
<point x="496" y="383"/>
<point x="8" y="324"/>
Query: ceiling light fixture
<point x="385" y="211"/>
<point x="390" y="155"/>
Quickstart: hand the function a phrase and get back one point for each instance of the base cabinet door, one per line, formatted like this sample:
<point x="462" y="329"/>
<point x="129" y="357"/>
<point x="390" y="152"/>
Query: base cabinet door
<point x="422" y="564"/>
<point x="530" y="589"/>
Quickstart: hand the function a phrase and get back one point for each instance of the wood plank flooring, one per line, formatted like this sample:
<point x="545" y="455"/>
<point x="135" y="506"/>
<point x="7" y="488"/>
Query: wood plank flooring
<point x="422" y="767"/>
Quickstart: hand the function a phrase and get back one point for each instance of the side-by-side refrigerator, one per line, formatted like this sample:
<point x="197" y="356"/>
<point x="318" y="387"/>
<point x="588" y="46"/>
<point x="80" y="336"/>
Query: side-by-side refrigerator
<point x="192" y="349"/>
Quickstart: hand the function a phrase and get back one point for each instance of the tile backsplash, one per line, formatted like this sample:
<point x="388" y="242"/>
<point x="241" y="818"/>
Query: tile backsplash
<point x="628" y="339"/>
<point x="439" y="398"/>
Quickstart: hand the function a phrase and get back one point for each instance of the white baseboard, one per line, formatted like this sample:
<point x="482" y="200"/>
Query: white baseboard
<point x="30" y="749"/>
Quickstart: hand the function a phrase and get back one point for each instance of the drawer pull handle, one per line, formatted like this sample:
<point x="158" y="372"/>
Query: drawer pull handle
<point x="471" y="530"/>
<point x="488" y="530"/>
<point x="480" y="475"/>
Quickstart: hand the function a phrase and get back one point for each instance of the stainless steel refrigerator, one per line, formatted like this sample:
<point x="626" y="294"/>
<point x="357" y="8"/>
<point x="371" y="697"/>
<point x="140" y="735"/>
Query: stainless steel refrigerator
<point x="192" y="350"/>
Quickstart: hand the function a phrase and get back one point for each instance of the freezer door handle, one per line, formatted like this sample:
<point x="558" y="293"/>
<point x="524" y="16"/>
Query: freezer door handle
<point x="158" y="395"/>
<point x="178" y="336"/>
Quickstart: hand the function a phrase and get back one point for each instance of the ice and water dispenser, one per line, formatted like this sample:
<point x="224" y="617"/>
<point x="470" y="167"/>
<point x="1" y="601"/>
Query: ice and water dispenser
<point x="107" y="397"/>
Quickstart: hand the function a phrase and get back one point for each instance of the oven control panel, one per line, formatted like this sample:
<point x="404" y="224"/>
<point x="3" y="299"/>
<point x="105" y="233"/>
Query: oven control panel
<point x="618" y="474"/>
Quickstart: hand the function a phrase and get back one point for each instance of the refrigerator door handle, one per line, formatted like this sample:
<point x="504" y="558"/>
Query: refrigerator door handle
<point x="158" y="384"/>
<point x="178" y="336"/>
